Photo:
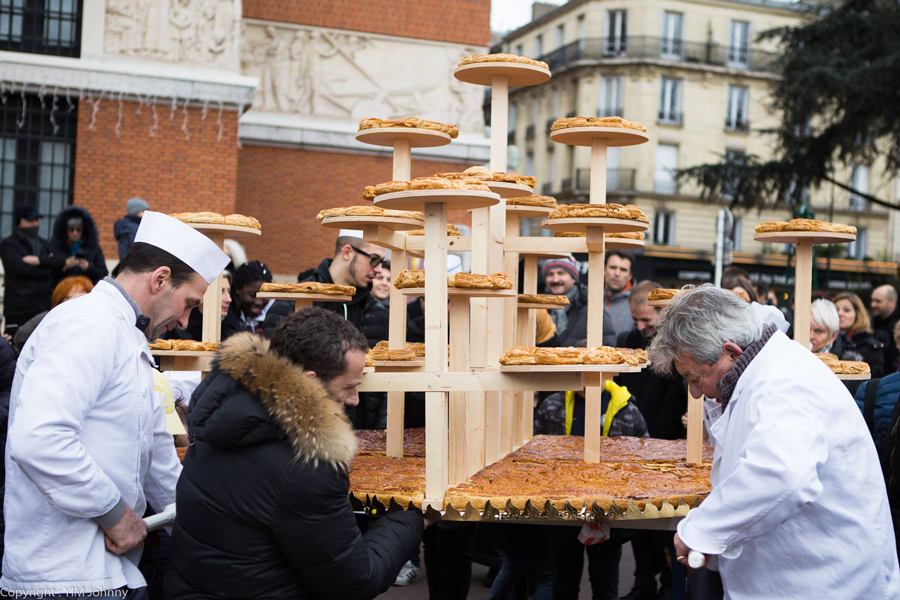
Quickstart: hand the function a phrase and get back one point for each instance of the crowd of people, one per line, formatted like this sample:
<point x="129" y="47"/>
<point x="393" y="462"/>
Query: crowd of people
<point x="262" y="507"/>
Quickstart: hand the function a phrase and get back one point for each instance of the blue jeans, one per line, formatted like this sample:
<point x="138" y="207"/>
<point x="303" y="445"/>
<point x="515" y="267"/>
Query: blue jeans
<point x="524" y="552"/>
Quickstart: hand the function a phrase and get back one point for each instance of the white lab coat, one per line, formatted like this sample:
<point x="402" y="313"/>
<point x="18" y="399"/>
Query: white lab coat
<point x="84" y="430"/>
<point x="798" y="507"/>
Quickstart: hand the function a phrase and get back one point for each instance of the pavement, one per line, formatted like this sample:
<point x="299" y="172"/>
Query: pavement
<point x="477" y="591"/>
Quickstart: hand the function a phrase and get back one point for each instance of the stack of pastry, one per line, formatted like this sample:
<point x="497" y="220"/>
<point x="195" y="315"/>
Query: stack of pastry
<point x="214" y="218"/>
<point x="844" y="367"/>
<point x="416" y="279"/>
<point x="629" y="235"/>
<point x="451" y="230"/>
<point x="475" y="59"/>
<point x="409" y="123"/>
<point x="369" y="211"/>
<point x="485" y="174"/>
<point x="424" y="183"/>
<point x="549" y="299"/>
<point x="615" y="122"/>
<point x="309" y="287"/>
<point x="599" y="211"/>
<point x="804" y="225"/>
<point x="184" y="345"/>
<point x="542" y="201"/>
<point x="602" y="355"/>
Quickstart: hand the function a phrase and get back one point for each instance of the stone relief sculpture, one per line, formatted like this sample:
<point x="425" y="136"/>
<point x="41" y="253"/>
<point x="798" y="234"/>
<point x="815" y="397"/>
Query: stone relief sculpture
<point x="347" y="75"/>
<point x="194" y="32"/>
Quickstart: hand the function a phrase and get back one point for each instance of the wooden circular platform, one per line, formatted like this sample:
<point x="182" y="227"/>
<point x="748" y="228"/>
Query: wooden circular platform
<point x="294" y="296"/>
<point x="510" y="190"/>
<point x="230" y="231"/>
<point x="585" y="136"/>
<point x="470" y="292"/>
<point x="582" y="223"/>
<point x="539" y="305"/>
<point x="658" y="303"/>
<point x="622" y="368"/>
<point x="418" y="138"/>
<point x="528" y="212"/>
<point x="854" y="377"/>
<point x="518" y="74"/>
<point x="184" y="353"/>
<point x="816" y="237"/>
<point x="622" y="243"/>
<point x="454" y="199"/>
<point x="399" y="364"/>
<point x="544" y="254"/>
<point x="392" y="223"/>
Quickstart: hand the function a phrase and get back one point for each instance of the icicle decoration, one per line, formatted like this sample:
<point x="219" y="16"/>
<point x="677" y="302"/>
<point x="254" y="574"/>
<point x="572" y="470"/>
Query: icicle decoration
<point x="21" y="122"/>
<point x="3" y="92"/>
<point x="220" y="124"/>
<point x="205" y="110"/>
<point x="184" y="124"/>
<point x="41" y="93"/>
<point x="69" y="101"/>
<point x="155" y="125"/>
<point x="53" y="109"/>
<point x="95" y="108"/>
<point x="174" y="108"/>
<point x="118" y="129"/>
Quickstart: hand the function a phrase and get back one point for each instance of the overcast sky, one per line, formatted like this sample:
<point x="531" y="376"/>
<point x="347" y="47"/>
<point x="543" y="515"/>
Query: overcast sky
<point x="507" y="15"/>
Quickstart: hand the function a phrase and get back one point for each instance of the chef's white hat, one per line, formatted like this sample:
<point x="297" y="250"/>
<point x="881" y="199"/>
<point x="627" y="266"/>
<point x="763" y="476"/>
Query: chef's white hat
<point x="183" y="242"/>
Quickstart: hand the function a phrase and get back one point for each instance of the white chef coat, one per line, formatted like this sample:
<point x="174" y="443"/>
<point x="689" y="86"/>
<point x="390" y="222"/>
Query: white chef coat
<point x="84" y="431"/>
<point x="798" y="507"/>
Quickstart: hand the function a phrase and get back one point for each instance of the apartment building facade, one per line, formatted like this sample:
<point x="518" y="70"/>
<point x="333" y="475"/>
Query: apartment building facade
<point x="694" y="74"/>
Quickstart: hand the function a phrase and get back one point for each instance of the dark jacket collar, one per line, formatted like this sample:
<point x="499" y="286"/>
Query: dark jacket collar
<point x="283" y="403"/>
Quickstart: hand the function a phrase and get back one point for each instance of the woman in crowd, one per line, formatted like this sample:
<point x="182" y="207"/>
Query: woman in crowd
<point x="75" y="237"/>
<point x="65" y="290"/>
<point x="247" y="312"/>
<point x="381" y="285"/>
<point x="856" y="331"/>
<point x="194" y="330"/>
<point x="824" y="326"/>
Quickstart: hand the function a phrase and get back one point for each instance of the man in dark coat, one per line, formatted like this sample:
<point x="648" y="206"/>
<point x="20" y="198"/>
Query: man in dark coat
<point x="263" y="507"/>
<point x="75" y="238"/>
<point x="885" y="315"/>
<point x="662" y="401"/>
<point x="29" y="263"/>
<point x="355" y="263"/>
<point x="561" y="278"/>
<point x="126" y="228"/>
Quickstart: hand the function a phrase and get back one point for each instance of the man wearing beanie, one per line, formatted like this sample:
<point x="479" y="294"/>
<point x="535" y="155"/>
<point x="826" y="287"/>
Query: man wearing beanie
<point x="561" y="278"/>
<point x="125" y="228"/>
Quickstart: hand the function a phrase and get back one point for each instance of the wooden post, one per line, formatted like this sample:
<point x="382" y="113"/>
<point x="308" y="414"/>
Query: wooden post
<point x="598" y="171"/>
<point x="695" y="430"/>
<point x="803" y="291"/>
<point x="593" y="419"/>
<point x="300" y="304"/>
<point x="396" y="341"/>
<point x="476" y="401"/>
<point x="459" y="361"/>
<point x="212" y="299"/>
<point x="436" y="427"/>
<point x="511" y="402"/>
<point x="596" y="267"/>
<point x="402" y="160"/>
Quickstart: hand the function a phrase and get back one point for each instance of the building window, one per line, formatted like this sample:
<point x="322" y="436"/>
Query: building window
<point x="736" y="158"/>
<point x="539" y="46"/>
<point x="666" y="165"/>
<point x="511" y="123"/>
<point x="664" y="228"/>
<point x="671" y="47"/>
<point x="859" y="181"/>
<point x="529" y="163"/>
<point x="616" y="32"/>
<point x="36" y="160"/>
<point x="736" y="233"/>
<point x="611" y="92"/>
<point x="739" y="45"/>
<point x="670" y="101"/>
<point x="551" y="167"/>
<point x="41" y="27"/>
<point x="738" y="116"/>
<point x="560" y="36"/>
<point x="520" y="50"/>
<point x="857" y="249"/>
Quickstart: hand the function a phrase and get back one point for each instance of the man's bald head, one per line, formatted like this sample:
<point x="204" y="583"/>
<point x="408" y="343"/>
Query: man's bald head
<point x="884" y="301"/>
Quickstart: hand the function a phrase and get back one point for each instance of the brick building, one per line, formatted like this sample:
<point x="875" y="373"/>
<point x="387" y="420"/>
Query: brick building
<point x="227" y="105"/>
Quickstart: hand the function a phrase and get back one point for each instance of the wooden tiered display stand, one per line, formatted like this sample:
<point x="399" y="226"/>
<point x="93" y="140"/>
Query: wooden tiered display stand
<point x="803" y="269"/>
<point x="598" y="139"/>
<point x="175" y="360"/>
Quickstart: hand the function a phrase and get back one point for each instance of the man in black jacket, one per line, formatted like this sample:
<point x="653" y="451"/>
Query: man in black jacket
<point x="263" y="507"/>
<point x="885" y="314"/>
<point x="561" y="278"/>
<point x="75" y="239"/>
<point x="355" y="263"/>
<point x="29" y="263"/>
<point x="662" y="401"/>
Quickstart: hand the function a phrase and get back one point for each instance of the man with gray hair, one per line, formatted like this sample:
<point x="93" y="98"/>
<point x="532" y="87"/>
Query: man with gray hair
<point x="885" y="315"/>
<point x="798" y="507"/>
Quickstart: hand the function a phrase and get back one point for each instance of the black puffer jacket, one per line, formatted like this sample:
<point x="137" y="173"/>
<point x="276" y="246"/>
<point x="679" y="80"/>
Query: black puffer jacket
<point x="263" y="508"/>
<point x="27" y="288"/>
<point x="576" y="326"/>
<point x="365" y="311"/>
<point x="661" y="399"/>
<point x="90" y="249"/>
<point x="883" y="330"/>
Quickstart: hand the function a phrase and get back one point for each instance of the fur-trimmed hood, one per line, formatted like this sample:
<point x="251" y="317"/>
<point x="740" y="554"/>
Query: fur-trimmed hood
<point x="256" y="396"/>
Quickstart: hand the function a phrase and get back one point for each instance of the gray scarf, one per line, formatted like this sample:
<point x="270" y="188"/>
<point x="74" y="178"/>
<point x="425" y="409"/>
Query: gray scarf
<point x="729" y="380"/>
<point x="561" y="317"/>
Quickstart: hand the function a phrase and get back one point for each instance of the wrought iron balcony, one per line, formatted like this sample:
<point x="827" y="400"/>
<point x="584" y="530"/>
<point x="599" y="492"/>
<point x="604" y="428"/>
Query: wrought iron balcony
<point x="665" y="185"/>
<point x="669" y="118"/>
<point x="739" y="125"/>
<point x="617" y="180"/>
<point x="646" y="47"/>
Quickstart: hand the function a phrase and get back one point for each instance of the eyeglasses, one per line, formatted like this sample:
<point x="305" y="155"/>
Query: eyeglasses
<point x="374" y="259"/>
